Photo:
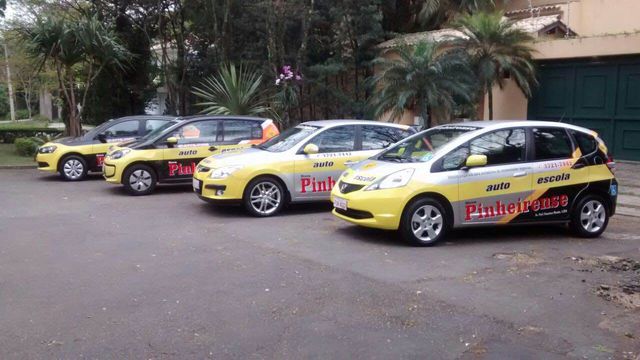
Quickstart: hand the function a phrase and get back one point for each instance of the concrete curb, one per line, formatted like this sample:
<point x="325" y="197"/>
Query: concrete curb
<point x="10" y="167"/>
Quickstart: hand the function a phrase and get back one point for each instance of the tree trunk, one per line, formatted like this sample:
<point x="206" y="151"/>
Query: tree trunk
<point x="490" y="92"/>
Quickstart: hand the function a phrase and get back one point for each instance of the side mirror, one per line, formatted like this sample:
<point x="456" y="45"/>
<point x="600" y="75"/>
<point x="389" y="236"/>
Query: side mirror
<point x="102" y="137"/>
<point x="310" y="149"/>
<point x="476" y="161"/>
<point x="171" y="141"/>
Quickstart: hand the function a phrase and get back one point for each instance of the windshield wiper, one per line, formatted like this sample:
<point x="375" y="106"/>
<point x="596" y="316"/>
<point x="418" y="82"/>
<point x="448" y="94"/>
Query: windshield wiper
<point x="398" y="158"/>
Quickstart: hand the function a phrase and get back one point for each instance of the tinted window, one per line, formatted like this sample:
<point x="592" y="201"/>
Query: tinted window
<point x="500" y="147"/>
<point x="237" y="130"/>
<point x="201" y="132"/>
<point x="552" y="143"/>
<point x="586" y="142"/>
<point x="336" y="139"/>
<point x="151" y="125"/>
<point x="455" y="159"/>
<point x="123" y="129"/>
<point x="380" y="137"/>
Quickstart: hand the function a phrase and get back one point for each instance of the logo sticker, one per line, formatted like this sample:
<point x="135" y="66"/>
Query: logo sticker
<point x="178" y="169"/>
<point x="311" y="184"/>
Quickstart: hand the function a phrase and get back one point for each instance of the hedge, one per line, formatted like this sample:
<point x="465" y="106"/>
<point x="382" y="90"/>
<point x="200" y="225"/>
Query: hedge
<point x="8" y="135"/>
<point x="28" y="146"/>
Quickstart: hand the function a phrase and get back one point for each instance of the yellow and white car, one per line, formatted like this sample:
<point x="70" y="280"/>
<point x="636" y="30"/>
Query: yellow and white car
<point x="482" y="173"/>
<point x="171" y="156"/>
<point x="301" y="164"/>
<point x="74" y="157"/>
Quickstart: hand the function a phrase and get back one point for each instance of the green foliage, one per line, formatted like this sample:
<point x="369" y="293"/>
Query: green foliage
<point x="27" y="146"/>
<point x="4" y="101"/>
<point x="22" y="114"/>
<point x="234" y="91"/>
<point x="496" y="48"/>
<point x="10" y="134"/>
<point x="423" y="78"/>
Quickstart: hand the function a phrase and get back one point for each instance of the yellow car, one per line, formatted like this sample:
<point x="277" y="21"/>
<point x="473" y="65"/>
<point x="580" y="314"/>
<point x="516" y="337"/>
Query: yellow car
<point x="170" y="156"/>
<point x="482" y="173"/>
<point x="73" y="158"/>
<point x="302" y="164"/>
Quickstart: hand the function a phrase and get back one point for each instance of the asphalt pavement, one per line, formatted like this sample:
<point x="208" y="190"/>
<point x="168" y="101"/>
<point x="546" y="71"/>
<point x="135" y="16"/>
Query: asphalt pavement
<point x="87" y="271"/>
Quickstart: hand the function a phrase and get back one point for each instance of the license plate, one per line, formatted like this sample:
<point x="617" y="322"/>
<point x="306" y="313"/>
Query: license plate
<point x="340" y="203"/>
<point x="196" y="184"/>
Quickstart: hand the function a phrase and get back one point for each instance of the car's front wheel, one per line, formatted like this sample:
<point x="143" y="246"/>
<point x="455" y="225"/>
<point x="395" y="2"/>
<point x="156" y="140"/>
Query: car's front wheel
<point x="264" y="196"/>
<point x="424" y="222"/>
<point x="73" y="168"/>
<point x="139" y="180"/>
<point x="590" y="217"/>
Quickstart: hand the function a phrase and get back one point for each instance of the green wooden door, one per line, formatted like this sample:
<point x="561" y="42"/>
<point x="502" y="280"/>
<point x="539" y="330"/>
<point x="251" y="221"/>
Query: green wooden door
<point x="603" y="96"/>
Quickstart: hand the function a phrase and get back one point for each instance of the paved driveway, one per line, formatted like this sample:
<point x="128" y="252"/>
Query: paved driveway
<point x="87" y="271"/>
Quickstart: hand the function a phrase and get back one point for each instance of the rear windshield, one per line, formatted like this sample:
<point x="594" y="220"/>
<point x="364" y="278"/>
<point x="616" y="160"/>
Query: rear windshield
<point x="424" y="145"/>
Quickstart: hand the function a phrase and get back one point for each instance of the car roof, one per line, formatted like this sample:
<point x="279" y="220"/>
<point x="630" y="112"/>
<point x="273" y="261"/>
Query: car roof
<point x="497" y="124"/>
<point x="222" y="117"/>
<point x="144" y="117"/>
<point x="324" y="123"/>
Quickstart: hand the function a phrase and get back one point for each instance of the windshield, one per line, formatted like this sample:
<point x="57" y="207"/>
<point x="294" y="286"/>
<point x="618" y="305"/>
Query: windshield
<point x="423" y="146"/>
<point x="288" y="139"/>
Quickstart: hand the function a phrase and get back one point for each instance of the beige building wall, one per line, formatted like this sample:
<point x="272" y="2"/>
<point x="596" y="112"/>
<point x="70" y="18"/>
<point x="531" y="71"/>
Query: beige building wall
<point x="604" y="28"/>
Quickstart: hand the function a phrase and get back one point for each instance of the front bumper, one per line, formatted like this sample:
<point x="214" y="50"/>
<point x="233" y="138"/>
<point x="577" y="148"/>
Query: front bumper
<point x="48" y="162"/>
<point x="381" y="209"/>
<point x="112" y="171"/>
<point x="228" y="190"/>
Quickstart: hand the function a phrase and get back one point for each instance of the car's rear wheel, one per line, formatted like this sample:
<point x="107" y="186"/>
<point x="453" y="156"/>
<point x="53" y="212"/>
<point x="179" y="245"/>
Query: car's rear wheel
<point x="264" y="196"/>
<point x="590" y="217"/>
<point x="73" y="168"/>
<point x="424" y="222"/>
<point x="139" y="180"/>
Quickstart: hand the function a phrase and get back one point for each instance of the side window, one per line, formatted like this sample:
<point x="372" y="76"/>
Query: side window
<point x="552" y="143"/>
<point x="500" y="147"/>
<point x="586" y="142"/>
<point x="336" y="139"/>
<point x="123" y="129"/>
<point x="455" y="159"/>
<point x="237" y="130"/>
<point x="201" y="132"/>
<point x="380" y="137"/>
<point x="151" y="125"/>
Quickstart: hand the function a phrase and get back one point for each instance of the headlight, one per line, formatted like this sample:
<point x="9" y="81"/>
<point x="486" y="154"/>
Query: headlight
<point x="119" y="154"/>
<point x="47" y="149"/>
<point x="223" y="172"/>
<point x="394" y="180"/>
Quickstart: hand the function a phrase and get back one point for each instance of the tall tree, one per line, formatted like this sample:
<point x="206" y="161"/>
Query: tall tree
<point x="423" y="78"/>
<point x="79" y="49"/>
<point x="496" y="49"/>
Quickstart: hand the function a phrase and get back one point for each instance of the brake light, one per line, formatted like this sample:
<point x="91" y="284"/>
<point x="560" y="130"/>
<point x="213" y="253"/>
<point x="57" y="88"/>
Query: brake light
<point x="611" y="164"/>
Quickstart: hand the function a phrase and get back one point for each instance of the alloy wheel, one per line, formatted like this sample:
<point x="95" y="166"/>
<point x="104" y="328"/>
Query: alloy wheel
<point x="265" y="197"/>
<point x="73" y="169"/>
<point x="426" y="223"/>
<point x="592" y="216"/>
<point x="140" y="180"/>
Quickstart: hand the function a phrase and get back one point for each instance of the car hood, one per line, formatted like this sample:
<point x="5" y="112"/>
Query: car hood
<point x="73" y="141"/>
<point x="240" y="155"/>
<point x="369" y="171"/>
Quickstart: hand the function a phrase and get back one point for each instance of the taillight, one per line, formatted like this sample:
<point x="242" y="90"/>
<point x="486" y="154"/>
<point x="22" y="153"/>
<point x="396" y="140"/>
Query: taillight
<point x="611" y="164"/>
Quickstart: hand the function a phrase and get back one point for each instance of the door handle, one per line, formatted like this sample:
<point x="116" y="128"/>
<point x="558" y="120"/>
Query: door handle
<point x="520" y="174"/>
<point x="350" y="162"/>
<point x="213" y="148"/>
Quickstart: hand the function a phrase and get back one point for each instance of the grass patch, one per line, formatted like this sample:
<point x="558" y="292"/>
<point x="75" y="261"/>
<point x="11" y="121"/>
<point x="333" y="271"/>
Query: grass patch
<point x="24" y="124"/>
<point x="8" y="156"/>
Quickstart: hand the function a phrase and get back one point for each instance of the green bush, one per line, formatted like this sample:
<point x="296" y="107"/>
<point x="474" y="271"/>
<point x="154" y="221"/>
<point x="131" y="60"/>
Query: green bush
<point x="26" y="146"/>
<point x="9" y="134"/>
<point x="40" y="117"/>
<point x="22" y="114"/>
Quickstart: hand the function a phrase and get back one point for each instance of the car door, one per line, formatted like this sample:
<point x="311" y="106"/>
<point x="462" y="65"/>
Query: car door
<point x="559" y="176"/>
<point x="119" y="132"/>
<point x="194" y="143"/>
<point x="494" y="193"/>
<point x="316" y="174"/>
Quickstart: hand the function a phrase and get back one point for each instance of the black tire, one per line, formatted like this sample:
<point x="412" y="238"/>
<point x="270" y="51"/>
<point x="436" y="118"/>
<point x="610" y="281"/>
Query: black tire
<point x="432" y="217"/>
<point x="590" y="216"/>
<point x="139" y="180"/>
<point x="264" y="196"/>
<point x="73" y="168"/>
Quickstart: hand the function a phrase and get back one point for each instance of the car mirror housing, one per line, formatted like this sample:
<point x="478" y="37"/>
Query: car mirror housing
<point x="311" y="149"/>
<point x="171" y="141"/>
<point x="476" y="161"/>
<point x="102" y="137"/>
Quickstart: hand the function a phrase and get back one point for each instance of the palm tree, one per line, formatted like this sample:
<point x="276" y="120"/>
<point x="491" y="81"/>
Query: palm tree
<point x="78" y="50"/>
<point x="496" y="48"/>
<point x="422" y="77"/>
<point x="437" y="12"/>
<point x="234" y="91"/>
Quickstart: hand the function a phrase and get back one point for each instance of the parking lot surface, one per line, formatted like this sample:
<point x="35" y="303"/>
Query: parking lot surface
<point x="87" y="271"/>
